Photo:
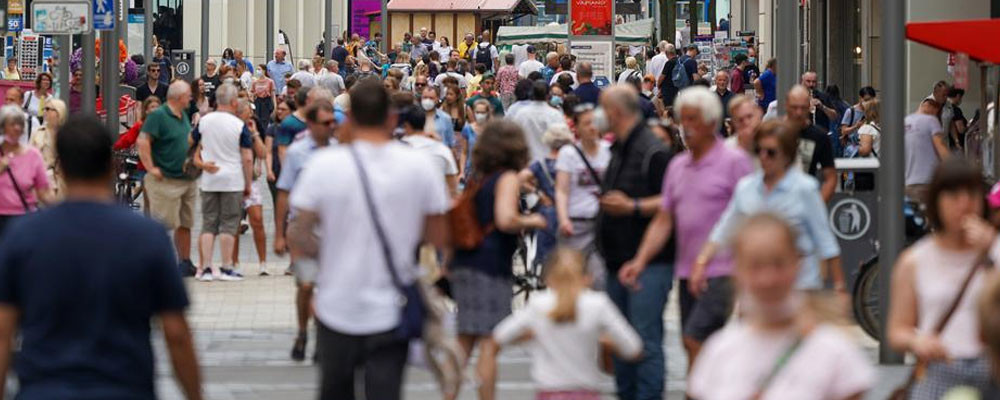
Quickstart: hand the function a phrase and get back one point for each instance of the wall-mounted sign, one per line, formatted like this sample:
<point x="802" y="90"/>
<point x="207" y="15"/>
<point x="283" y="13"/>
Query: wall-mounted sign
<point x="68" y="17"/>
<point x="592" y="17"/>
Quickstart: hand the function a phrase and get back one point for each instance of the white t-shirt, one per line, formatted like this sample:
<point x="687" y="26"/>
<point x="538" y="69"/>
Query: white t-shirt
<point x="529" y="66"/>
<point x="442" y="156"/>
<point x="246" y="80"/>
<point x="306" y="78"/>
<point x="736" y="360"/>
<point x="583" y="189"/>
<point x="565" y="356"/>
<point x="534" y="117"/>
<point x="871" y="130"/>
<point x="354" y="291"/>
<point x="443" y="51"/>
<point x="656" y="64"/>
<point x="222" y="134"/>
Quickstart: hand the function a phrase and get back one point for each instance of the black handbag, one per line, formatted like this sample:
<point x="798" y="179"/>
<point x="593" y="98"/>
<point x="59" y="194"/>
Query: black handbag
<point x="413" y="309"/>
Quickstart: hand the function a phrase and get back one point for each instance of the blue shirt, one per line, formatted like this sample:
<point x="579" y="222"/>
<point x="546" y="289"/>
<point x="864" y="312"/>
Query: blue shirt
<point x="277" y="72"/>
<point x="769" y="81"/>
<point x="469" y="135"/>
<point x="796" y="197"/>
<point x="444" y="127"/>
<point x="547" y="73"/>
<point x="289" y="128"/>
<point x="295" y="159"/>
<point x="86" y="278"/>
<point x="245" y="62"/>
<point x="587" y="93"/>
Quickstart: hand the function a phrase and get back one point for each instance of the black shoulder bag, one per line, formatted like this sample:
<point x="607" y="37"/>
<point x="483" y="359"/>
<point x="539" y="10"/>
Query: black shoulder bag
<point x="17" y="187"/>
<point x="597" y="178"/>
<point x="414" y="310"/>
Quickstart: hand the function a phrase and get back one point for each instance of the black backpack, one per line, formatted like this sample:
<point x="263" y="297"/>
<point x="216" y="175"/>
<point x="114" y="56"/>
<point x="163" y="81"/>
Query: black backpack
<point x="485" y="56"/>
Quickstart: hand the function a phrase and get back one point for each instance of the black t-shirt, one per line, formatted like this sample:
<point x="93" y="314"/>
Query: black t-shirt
<point x="815" y="149"/>
<point x="339" y="54"/>
<point x="143" y="92"/>
<point x="211" y="84"/>
<point x="667" y="89"/>
<point x="86" y="278"/>
<point x="822" y="120"/>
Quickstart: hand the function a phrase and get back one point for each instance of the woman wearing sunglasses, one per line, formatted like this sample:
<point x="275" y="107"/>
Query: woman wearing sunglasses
<point x="782" y="188"/>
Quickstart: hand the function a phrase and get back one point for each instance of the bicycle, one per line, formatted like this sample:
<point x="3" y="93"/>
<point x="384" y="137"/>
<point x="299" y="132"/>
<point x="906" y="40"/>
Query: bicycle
<point x="128" y="184"/>
<point x="865" y="295"/>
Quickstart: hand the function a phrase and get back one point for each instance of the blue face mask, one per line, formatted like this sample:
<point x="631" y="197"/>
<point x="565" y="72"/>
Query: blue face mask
<point x="556" y="101"/>
<point x="753" y="60"/>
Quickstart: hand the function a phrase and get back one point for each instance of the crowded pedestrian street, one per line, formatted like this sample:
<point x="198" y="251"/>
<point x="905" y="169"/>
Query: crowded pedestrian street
<point x="500" y="200"/>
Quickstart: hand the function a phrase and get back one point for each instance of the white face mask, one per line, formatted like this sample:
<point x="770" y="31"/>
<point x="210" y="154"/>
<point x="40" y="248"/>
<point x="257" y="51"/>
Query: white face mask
<point x="428" y="104"/>
<point x="481" y="117"/>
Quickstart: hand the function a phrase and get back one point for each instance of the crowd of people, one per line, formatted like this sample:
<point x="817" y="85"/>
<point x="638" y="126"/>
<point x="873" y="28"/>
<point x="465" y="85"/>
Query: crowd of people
<point x="660" y="178"/>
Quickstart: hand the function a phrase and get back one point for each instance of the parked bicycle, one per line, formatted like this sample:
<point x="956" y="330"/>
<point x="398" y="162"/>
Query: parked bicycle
<point x="128" y="181"/>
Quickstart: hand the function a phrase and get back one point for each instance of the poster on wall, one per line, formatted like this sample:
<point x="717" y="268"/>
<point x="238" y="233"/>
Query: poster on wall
<point x="599" y="54"/>
<point x="592" y="17"/>
<point x="359" y="16"/>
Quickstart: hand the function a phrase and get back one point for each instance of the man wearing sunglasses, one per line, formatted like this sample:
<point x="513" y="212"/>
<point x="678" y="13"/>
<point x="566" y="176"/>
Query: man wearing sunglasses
<point x="153" y="86"/>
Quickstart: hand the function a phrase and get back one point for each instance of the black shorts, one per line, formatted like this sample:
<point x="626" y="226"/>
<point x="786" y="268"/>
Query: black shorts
<point x="702" y="316"/>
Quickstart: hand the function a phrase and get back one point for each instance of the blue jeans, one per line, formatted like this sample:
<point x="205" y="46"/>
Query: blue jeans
<point x="644" y="379"/>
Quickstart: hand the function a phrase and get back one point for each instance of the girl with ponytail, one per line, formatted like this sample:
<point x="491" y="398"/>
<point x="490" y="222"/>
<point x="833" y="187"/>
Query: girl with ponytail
<point x="568" y="324"/>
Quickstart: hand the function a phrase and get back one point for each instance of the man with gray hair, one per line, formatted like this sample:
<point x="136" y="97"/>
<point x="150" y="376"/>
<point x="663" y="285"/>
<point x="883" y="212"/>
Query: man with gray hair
<point x="15" y="97"/>
<point x="631" y="196"/>
<point x="656" y="64"/>
<point x="696" y="191"/>
<point x="587" y="91"/>
<point x="551" y="66"/>
<point x="277" y="68"/>
<point x="238" y="59"/>
<point x="331" y="81"/>
<point x="226" y="154"/>
<point x="163" y="146"/>
<point x="304" y="76"/>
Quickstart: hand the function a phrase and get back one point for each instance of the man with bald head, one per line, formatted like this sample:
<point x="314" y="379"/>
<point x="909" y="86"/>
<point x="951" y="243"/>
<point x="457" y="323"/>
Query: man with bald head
<point x="821" y="104"/>
<point x="631" y="196"/>
<point x="815" y="150"/>
<point x="277" y="68"/>
<point x="163" y="146"/>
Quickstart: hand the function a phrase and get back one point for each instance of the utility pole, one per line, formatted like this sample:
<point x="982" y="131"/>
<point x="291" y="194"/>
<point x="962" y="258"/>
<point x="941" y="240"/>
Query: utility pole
<point x="270" y="31"/>
<point x="786" y="48"/>
<point x="205" y="16"/>
<point x="88" y="105"/>
<point x="147" y="26"/>
<point x="109" y="76"/>
<point x="891" y="231"/>
<point x="65" y="43"/>
<point x="328" y="29"/>
<point x="385" y="27"/>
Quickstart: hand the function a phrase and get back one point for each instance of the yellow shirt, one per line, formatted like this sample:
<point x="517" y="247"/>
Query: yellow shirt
<point x="464" y="48"/>
<point x="473" y="86"/>
<point x="11" y="74"/>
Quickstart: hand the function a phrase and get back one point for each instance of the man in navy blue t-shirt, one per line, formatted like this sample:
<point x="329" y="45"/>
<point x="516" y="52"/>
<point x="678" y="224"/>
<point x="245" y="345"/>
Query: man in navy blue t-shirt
<point x="79" y="283"/>
<point x="587" y="91"/>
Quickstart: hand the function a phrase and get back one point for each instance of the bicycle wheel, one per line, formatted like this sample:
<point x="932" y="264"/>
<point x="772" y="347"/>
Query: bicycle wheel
<point x="865" y="300"/>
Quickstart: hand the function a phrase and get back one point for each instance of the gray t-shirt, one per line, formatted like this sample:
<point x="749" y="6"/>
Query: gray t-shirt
<point x="921" y="158"/>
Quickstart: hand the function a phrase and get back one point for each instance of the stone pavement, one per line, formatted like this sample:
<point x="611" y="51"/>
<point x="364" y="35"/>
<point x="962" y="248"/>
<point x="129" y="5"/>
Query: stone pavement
<point x="244" y="332"/>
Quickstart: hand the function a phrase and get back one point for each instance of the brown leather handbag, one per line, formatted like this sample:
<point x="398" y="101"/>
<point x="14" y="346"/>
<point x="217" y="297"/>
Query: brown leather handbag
<point x="466" y="231"/>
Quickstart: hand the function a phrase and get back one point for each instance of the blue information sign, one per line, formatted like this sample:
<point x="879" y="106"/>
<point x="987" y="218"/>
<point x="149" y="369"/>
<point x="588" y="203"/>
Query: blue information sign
<point x="15" y="23"/>
<point x="104" y="15"/>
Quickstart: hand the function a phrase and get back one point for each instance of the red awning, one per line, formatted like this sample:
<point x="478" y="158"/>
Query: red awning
<point x="977" y="38"/>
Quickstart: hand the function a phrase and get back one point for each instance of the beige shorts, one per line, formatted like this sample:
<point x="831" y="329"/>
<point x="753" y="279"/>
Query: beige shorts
<point x="171" y="201"/>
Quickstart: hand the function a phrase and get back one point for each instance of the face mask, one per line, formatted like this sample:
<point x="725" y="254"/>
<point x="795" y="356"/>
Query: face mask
<point x="600" y="120"/>
<point x="481" y="117"/>
<point x="647" y="93"/>
<point x="556" y="101"/>
<point x="427" y="104"/>
<point x="753" y="60"/>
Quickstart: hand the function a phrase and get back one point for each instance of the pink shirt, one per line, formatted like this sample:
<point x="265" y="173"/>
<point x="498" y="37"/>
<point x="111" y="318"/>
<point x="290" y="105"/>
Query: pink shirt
<point x="696" y="193"/>
<point x="29" y="171"/>
<point x="507" y="79"/>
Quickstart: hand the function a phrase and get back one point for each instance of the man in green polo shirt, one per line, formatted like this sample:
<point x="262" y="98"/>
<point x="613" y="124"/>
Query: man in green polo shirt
<point x="486" y="92"/>
<point x="163" y="146"/>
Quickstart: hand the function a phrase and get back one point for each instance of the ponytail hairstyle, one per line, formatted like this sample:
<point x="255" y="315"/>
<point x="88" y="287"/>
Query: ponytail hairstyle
<point x="566" y="277"/>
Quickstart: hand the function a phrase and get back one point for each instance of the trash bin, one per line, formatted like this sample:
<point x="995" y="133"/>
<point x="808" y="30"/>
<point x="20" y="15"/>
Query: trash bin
<point x="183" y="61"/>
<point x="852" y="213"/>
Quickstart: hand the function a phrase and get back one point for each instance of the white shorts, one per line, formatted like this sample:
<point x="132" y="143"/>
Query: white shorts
<point x="256" y="195"/>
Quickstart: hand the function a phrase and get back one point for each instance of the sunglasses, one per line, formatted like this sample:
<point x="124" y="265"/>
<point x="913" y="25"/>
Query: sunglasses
<point x="154" y="70"/>
<point x="418" y="84"/>
<point x="770" y="152"/>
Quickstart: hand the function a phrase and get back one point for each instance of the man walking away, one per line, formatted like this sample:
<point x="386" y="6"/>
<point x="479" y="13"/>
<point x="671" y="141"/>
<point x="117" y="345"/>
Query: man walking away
<point x="356" y="299"/>
<point x="530" y="65"/>
<point x="587" y="91"/>
<point x="926" y="147"/>
<point x="227" y="156"/>
<point x="80" y="305"/>
<point x="163" y="145"/>
<point x="664" y="81"/>
<point x="486" y="54"/>
<point x="322" y="124"/>
<point x="332" y="81"/>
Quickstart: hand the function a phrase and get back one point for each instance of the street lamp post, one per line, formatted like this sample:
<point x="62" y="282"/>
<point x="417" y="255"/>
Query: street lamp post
<point x="328" y="29"/>
<point x="88" y="105"/>
<point x="205" y="9"/>
<point x="270" y="30"/>
<point x="786" y="47"/>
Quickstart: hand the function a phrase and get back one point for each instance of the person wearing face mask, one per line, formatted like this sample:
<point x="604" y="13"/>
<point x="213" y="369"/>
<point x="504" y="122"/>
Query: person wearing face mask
<point x="265" y="96"/>
<point x="438" y="122"/>
<point x="23" y="178"/>
<point x="630" y="197"/>
<point x="773" y="351"/>
<point x="535" y="117"/>
<point x="481" y="114"/>
<point x="556" y="96"/>
<point x="781" y="187"/>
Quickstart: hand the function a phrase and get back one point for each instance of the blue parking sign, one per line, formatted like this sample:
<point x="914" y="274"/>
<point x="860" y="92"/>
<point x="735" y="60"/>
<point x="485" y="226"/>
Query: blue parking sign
<point x="104" y="15"/>
<point x="15" y="23"/>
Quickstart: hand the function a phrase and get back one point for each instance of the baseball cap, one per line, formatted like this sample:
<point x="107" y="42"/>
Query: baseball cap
<point x="530" y="49"/>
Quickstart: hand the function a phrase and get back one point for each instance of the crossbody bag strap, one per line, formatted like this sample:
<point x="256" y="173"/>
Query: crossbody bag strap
<point x="597" y="178"/>
<point x="779" y="365"/>
<point x="545" y="171"/>
<point x="373" y="213"/>
<point x="17" y="188"/>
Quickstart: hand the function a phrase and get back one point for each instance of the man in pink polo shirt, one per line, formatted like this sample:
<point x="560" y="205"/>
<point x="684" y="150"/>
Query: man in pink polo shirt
<point x="696" y="190"/>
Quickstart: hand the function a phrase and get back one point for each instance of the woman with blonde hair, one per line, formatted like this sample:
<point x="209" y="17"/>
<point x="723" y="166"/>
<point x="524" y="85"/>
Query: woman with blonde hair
<point x="568" y="325"/>
<point x="870" y="134"/>
<point x="54" y="115"/>
<point x="420" y="70"/>
<point x="631" y="69"/>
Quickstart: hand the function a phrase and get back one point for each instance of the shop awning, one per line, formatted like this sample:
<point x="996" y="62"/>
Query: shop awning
<point x="977" y="38"/>
<point x="636" y="33"/>
<point x="493" y="6"/>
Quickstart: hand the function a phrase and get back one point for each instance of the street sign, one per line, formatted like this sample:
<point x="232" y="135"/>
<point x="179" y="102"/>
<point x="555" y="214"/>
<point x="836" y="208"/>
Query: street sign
<point x="15" y="23"/>
<point x="104" y="15"/>
<point x="62" y="17"/>
<point x="15" y="7"/>
<point x="599" y="53"/>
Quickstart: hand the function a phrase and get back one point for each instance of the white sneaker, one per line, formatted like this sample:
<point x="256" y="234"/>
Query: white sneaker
<point x="206" y="276"/>
<point x="229" y="278"/>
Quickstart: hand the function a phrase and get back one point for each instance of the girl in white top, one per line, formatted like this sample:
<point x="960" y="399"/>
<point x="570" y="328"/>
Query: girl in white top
<point x="566" y="326"/>
<point x="927" y="279"/>
<point x="444" y="49"/>
<point x="578" y="189"/>
<point x="779" y="349"/>
<point x="34" y="100"/>
<point x="870" y="134"/>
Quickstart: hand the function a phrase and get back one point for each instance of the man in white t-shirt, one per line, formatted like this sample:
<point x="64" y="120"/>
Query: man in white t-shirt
<point x="227" y="159"/>
<point x="331" y="80"/>
<point x="304" y="76"/>
<point x="535" y="116"/>
<point x="656" y="64"/>
<point x="530" y="65"/>
<point x="396" y="201"/>
<point x="451" y="71"/>
<point x="414" y="120"/>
